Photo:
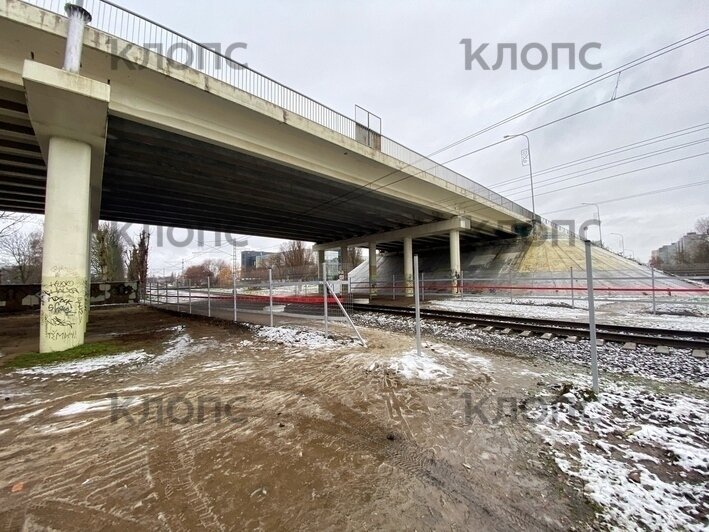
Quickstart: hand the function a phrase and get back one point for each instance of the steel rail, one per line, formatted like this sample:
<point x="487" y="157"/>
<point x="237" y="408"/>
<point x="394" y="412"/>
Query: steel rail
<point x="611" y="333"/>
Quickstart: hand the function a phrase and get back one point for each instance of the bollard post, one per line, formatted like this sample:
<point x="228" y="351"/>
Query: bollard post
<point x="417" y="305"/>
<point x="591" y="316"/>
<point x="324" y="293"/>
<point x="189" y="295"/>
<point x="209" y="298"/>
<point x="573" y="296"/>
<point x="652" y="273"/>
<point x="270" y="294"/>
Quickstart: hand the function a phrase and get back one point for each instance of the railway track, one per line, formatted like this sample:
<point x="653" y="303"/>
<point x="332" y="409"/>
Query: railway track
<point x="557" y="328"/>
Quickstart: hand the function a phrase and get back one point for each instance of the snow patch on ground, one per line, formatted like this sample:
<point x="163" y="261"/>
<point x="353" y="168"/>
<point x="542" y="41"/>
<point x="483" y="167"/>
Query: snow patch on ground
<point x="182" y="346"/>
<point x="677" y="366"/>
<point x="84" y="406"/>
<point x="27" y="417"/>
<point x="412" y="366"/>
<point x="88" y="365"/>
<point x="641" y="455"/>
<point x="294" y="337"/>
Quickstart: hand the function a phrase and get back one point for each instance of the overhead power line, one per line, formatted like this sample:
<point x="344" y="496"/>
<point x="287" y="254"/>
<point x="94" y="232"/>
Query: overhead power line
<point x="622" y="174"/>
<point x="633" y="196"/>
<point x="647" y="57"/>
<point x="538" y="184"/>
<point x="608" y="153"/>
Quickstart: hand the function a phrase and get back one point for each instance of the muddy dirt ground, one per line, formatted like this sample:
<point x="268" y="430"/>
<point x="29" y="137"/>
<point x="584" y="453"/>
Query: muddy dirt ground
<point x="313" y="438"/>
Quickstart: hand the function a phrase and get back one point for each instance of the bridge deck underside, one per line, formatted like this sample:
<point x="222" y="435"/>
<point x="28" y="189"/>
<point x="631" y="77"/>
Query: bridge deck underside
<point x="157" y="177"/>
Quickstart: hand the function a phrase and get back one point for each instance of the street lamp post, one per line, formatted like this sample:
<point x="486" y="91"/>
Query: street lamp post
<point x="531" y="178"/>
<point x="598" y="217"/>
<point x="622" y="242"/>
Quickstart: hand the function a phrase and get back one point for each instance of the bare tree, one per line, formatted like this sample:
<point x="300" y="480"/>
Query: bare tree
<point x="138" y="261"/>
<point x="295" y="260"/>
<point x="107" y="251"/>
<point x="353" y="258"/>
<point x="24" y="250"/>
<point x="702" y="225"/>
<point x="10" y="223"/>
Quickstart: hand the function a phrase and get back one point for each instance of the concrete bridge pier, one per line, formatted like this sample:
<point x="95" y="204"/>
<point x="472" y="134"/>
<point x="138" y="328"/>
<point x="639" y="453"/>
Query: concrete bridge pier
<point x="451" y="227"/>
<point x="372" y="269"/>
<point x="409" y="266"/>
<point x="69" y="116"/>
<point x="455" y="259"/>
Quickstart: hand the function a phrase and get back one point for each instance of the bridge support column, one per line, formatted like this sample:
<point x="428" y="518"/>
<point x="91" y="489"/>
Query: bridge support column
<point x="372" y="269"/>
<point x="69" y="115"/>
<point x="344" y="268"/>
<point x="321" y="261"/>
<point x="409" y="266"/>
<point x="455" y="259"/>
<point x="65" y="258"/>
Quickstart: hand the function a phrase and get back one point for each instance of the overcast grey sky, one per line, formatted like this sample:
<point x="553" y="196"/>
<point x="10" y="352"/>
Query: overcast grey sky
<point x="403" y="60"/>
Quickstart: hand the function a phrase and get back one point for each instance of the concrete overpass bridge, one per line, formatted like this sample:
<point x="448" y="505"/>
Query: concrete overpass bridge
<point x="94" y="125"/>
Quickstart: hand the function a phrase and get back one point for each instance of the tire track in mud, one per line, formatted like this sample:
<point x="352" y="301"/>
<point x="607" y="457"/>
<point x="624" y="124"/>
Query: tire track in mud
<point x="172" y="473"/>
<point x="388" y="386"/>
<point x="40" y="514"/>
<point x="355" y="431"/>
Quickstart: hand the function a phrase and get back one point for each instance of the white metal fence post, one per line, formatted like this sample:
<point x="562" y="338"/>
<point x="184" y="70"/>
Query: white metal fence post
<point x="591" y="316"/>
<point x="418" y="304"/>
<point x="189" y="295"/>
<point x="209" y="298"/>
<point x="510" y="284"/>
<point x="573" y="295"/>
<point x="652" y="273"/>
<point x="233" y="281"/>
<point x="462" y="284"/>
<point x="423" y="288"/>
<point x="178" y="296"/>
<point x="324" y="293"/>
<point x="270" y="295"/>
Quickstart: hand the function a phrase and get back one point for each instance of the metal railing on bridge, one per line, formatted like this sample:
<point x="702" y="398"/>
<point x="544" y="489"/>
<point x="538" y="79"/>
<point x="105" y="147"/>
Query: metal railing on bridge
<point x="124" y="24"/>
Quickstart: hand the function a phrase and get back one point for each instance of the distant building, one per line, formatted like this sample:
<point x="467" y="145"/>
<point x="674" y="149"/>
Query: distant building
<point x="254" y="259"/>
<point x="666" y="254"/>
<point x="690" y="244"/>
<point x="685" y="250"/>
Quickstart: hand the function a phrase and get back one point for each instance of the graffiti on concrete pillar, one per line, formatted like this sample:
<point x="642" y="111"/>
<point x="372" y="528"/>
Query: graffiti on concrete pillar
<point x="63" y="308"/>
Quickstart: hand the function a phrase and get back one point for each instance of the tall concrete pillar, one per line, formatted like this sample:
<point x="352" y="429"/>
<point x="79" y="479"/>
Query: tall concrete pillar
<point x="455" y="259"/>
<point x="69" y="116"/>
<point x="409" y="266"/>
<point x="372" y="269"/>
<point x="344" y="267"/>
<point x="67" y="222"/>
<point x="321" y="261"/>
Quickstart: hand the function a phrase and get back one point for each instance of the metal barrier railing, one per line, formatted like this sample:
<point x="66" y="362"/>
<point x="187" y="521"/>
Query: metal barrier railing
<point x="563" y="287"/>
<point x="260" y="302"/>
<point x="124" y="24"/>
